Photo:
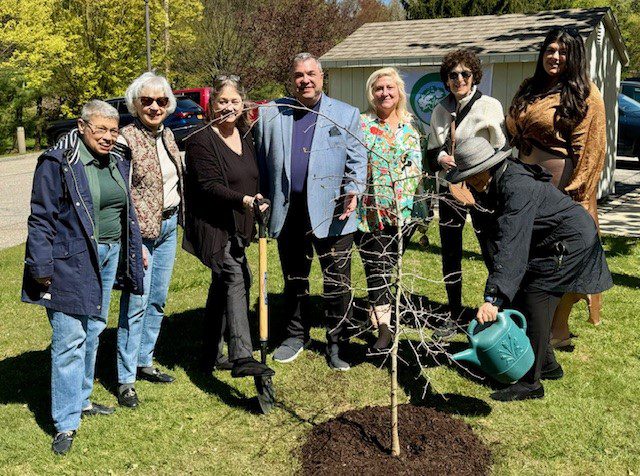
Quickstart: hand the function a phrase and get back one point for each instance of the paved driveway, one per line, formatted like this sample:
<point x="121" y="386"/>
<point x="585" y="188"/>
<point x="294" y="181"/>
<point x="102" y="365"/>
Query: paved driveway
<point x="620" y="213"/>
<point x="16" y="176"/>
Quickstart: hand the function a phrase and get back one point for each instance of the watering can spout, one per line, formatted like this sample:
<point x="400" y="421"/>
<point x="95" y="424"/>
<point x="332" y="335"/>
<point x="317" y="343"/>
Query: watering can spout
<point x="468" y="355"/>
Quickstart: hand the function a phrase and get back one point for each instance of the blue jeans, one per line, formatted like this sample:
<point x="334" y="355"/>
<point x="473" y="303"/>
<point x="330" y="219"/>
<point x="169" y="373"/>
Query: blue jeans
<point x="74" y="345"/>
<point x="141" y="316"/>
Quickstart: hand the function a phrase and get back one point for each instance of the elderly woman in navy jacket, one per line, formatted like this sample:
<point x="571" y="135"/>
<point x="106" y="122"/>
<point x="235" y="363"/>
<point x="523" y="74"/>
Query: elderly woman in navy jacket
<point x="83" y="236"/>
<point x="541" y="244"/>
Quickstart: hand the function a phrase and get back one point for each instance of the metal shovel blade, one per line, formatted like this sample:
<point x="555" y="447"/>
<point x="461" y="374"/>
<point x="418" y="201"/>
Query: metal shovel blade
<point x="266" y="394"/>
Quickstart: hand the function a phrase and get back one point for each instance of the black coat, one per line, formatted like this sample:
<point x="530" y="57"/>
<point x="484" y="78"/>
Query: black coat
<point x="209" y="217"/>
<point x="539" y="238"/>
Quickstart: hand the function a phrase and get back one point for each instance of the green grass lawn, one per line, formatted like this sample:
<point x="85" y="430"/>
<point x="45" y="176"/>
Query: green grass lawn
<point x="589" y="422"/>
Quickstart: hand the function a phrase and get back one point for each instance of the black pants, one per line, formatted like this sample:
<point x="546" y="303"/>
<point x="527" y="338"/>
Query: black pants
<point x="379" y="253"/>
<point x="451" y="224"/>
<point x="296" y="243"/>
<point x="228" y="305"/>
<point x="538" y="307"/>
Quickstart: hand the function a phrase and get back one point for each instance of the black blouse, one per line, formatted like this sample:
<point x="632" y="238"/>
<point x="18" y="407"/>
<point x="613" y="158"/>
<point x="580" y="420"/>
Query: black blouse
<point x="216" y="181"/>
<point x="241" y="173"/>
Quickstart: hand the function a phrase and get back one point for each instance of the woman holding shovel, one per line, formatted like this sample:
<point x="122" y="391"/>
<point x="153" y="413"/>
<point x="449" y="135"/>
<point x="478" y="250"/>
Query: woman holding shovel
<point x="222" y="190"/>
<point x="464" y="113"/>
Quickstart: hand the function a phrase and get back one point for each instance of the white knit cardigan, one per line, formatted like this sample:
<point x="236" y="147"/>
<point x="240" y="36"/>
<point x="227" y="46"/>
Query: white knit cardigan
<point x="485" y="119"/>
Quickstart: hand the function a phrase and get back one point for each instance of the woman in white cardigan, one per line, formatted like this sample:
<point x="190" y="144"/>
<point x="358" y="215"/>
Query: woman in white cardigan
<point x="475" y="115"/>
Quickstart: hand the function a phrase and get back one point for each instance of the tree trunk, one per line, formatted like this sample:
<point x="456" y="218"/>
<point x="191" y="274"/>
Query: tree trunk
<point x="395" y="439"/>
<point x="38" y="134"/>
<point x="19" y="110"/>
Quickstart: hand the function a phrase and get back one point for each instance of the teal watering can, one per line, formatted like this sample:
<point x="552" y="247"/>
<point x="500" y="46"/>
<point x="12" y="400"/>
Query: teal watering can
<point x="501" y="349"/>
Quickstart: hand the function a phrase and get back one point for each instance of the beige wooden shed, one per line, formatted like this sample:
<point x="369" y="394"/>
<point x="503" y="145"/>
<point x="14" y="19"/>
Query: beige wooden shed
<point x="508" y="46"/>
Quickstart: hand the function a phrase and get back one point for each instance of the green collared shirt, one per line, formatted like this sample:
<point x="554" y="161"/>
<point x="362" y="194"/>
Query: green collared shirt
<point x="108" y="194"/>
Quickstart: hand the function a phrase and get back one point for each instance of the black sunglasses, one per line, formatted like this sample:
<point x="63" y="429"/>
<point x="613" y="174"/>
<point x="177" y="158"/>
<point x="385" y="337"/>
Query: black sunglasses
<point x="148" y="101"/>
<point x="453" y="75"/>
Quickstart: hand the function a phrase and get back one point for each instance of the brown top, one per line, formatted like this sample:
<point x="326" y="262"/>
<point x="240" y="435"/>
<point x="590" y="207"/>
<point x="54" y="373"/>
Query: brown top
<point x="585" y="147"/>
<point x="147" y="184"/>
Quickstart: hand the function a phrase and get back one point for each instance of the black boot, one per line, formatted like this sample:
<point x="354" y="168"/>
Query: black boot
<point x="384" y="342"/>
<point x="250" y="367"/>
<point x="518" y="391"/>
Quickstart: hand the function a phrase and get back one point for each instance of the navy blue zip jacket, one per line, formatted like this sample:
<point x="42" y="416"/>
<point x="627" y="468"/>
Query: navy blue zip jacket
<point x="60" y="242"/>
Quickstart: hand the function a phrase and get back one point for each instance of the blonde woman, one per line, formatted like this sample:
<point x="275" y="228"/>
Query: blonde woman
<point x="394" y="172"/>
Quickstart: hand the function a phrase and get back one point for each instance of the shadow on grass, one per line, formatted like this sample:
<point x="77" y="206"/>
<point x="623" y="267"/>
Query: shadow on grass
<point x="26" y="380"/>
<point x="619" y="245"/>
<point x="625" y="280"/>
<point x="435" y="249"/>
<point x="413" y="382"/>
<point x="411" y="377"/>
<point x="182" y="344"/>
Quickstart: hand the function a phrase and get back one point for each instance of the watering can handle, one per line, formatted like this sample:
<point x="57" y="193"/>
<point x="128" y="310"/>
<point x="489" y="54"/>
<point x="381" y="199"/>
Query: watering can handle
<point x="518" y="318"/>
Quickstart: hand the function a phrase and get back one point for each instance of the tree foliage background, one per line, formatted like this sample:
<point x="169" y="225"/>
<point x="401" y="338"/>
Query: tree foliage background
<point x="57" y="54"/>
<point x="627" y="13"/>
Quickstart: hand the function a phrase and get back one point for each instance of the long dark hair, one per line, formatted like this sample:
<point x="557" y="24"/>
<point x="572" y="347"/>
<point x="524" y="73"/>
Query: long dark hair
<point x="573" y="84"/>
<point x="219" y="83"/>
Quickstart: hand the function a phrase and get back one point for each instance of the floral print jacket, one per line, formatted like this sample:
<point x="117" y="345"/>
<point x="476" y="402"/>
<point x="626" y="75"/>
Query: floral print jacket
<point x="393" y="158"/>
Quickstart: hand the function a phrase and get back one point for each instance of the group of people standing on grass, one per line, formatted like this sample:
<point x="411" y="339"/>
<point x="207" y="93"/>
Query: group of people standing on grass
<point x="107" y="202"/>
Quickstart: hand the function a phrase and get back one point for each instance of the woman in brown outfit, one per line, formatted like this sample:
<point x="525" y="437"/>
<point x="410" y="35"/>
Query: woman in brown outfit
<point x="557" y="120"/>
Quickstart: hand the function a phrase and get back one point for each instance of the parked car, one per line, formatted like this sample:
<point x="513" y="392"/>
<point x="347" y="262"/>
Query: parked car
<point x="631" y="89"/>
<point x="187" y="118"/>
<point x="628" y="126"/>
<point x="198" y="95"/>
<point x="202" y="95"/>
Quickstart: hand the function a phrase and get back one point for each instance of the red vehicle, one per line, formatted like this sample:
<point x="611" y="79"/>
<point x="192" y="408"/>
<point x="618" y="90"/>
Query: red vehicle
<point x="198" y="95"/>
<point x="201" y="97"/>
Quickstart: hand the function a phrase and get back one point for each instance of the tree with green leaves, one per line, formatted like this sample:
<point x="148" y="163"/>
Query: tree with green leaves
<point x="29" y="47"/>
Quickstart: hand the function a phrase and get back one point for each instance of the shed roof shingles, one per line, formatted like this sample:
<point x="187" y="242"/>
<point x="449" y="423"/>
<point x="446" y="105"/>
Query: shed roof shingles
<point x="490" y="34"/>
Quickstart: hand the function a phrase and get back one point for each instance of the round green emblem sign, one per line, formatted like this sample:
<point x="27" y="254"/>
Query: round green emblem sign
<point x="425" y="94"/>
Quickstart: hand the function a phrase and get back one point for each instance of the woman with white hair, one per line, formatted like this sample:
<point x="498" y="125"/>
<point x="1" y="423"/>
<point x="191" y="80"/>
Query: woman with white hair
<point x="156" y="191"/>
<point x="394" y="173"/>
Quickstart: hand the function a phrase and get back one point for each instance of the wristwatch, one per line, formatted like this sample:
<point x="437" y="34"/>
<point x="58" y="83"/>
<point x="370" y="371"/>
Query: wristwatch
<point x="496" y="301"/>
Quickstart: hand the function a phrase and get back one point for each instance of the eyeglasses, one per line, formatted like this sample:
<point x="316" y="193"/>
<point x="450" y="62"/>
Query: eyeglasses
<point x="147" y="101"/>
<point x="453" y="75"/>
<point x="100" y="131"/>
<point x="230" y="77"/>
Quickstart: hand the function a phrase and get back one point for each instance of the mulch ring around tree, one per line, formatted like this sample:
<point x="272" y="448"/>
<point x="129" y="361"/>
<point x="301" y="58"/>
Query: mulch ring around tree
<point x="359" y="442"/>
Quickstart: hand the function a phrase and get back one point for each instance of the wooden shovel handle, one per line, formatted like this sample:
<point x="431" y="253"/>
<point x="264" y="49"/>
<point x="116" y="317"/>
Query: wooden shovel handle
<point x="263" y="310"/>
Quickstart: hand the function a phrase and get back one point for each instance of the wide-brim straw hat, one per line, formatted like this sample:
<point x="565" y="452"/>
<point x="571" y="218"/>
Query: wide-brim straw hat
<point x="472" y="156"/>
